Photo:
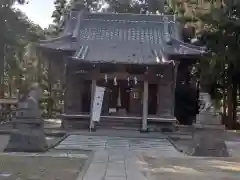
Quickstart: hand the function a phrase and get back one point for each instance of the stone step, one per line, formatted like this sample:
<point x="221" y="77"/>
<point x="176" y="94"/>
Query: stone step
<point x="104" y="123"/>
<point x="116" y="123"/>
<point x="118" y="128"/>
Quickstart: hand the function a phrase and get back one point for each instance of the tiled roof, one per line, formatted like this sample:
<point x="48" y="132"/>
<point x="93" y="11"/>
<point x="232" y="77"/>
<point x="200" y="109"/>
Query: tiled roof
<point x="145" y="32"/>
<point x="66" y="43"/>
<point x="122" y="38"/>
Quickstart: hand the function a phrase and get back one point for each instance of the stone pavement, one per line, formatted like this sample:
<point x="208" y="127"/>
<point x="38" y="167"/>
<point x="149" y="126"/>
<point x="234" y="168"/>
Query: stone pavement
<point x="96" y="143"/>
<point x="116" y="158"/>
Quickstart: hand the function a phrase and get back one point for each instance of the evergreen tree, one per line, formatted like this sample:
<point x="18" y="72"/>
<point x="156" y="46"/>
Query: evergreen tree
<point x="58" y="14"/>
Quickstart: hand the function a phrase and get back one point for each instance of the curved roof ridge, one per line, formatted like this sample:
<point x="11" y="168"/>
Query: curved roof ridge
<point x="135" y="14"/>
<point x="54" y="39"/>
<point x="129" y="16"/>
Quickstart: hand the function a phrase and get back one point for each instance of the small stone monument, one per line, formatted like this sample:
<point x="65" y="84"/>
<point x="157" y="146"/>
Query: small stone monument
<point x="28" y="131"/>
<point x="208" y="135"/>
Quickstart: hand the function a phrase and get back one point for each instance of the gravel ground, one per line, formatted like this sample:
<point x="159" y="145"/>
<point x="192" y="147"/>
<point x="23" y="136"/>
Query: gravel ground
<point x="192" y="168"/>
<point x="39" y="168"/>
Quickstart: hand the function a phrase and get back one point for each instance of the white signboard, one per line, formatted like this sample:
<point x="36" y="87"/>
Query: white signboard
<point x="97" y="104"/>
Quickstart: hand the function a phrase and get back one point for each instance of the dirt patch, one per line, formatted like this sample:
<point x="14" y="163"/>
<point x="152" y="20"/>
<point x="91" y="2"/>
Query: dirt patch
<point x="40" y="168"/>
<point x="193" y="168"/>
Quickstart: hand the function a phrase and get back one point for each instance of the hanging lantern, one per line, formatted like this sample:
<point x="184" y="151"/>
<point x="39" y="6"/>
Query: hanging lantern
<point x="115" y="81"/>
<point x="106" y="78"/>
<point x="135" y="80"/>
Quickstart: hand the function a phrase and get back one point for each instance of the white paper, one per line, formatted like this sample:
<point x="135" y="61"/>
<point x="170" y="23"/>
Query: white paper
<point x="97" y="104"/>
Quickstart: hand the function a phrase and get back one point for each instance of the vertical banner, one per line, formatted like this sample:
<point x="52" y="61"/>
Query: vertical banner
<point x="97" y="104"/>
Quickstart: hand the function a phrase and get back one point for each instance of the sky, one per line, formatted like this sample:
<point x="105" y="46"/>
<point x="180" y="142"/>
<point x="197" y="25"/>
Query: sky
<point x="39" y="11"/>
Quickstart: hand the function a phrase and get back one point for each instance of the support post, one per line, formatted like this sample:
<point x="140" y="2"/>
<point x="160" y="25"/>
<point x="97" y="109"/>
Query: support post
<point x="92" y="125"/>
<point x="175" y="72"/>
<point x="145" y="106"/>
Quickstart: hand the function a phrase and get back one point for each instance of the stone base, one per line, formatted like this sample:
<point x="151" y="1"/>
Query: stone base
<point x="93" y="129"/>
<point x="209" y="143"/>
<point x="209" y="118"/>
<point x="27" y="142"/>
<point x="208" y="126"/>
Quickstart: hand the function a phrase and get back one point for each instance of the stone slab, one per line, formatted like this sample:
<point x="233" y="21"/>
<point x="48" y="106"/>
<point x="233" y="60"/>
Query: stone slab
<point x="122" y="144"/>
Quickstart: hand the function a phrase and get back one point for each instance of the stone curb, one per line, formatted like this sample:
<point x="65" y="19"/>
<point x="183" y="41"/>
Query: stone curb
<point x="46" y="154"/>
<point x="86" y="166"/>
<point x="57" y="143"/>
<point x="177" y="148"/>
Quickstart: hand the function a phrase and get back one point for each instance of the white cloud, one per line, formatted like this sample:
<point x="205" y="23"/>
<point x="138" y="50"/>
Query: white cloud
<point x="39" y="11"/>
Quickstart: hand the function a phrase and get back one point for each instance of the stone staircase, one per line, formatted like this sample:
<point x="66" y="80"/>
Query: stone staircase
<point x="106" y="122"/>
<point x="75" y="123"/>
<point x="127" y="123"/>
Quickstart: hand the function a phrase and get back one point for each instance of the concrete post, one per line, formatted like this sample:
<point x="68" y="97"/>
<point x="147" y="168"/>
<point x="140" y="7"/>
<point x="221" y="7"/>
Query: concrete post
<point x="92" y="125"/>
<point x="145" y="106"/>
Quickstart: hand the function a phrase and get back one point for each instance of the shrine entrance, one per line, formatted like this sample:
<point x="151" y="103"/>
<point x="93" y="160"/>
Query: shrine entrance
<point x="122" y="98"/>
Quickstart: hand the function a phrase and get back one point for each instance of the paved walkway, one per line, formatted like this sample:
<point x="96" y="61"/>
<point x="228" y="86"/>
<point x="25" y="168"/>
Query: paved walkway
<point x="116" y="158"/>
<point x="99" y="143"/>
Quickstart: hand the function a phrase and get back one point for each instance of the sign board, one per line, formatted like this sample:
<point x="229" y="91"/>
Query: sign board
<point x="97" y="104"/>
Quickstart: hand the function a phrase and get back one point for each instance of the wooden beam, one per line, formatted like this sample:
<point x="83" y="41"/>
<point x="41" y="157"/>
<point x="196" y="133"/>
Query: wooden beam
<point x="145" y="106"/>
<point x="151" y="78"/>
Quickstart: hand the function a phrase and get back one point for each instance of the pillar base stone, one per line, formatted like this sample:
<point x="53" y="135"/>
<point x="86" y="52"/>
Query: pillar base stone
<point x="93" y="129"/>
<point x="144" y="130"/>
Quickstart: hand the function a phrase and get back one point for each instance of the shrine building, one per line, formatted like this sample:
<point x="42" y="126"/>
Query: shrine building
<point x="134" y="56"/>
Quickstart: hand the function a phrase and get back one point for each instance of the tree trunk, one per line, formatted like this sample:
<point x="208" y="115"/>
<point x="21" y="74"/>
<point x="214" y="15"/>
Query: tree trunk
<point x="230" y="107"/>
<point x="224" y="106"/>
<point x="1" y="70"/>
<point x="10" y="87"/>
<point x="234" y="101"/>
<point x="50" y="100"/>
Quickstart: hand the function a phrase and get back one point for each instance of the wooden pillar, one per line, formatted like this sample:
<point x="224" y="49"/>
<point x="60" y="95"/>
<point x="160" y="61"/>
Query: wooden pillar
<point x="165" y="103"/>
<point x="174" y="76"/>
<point x="79" y="92"/>
<point x="92" y="125"/>
<point x="73" y="92"/>
<point x="66" y="90"/>
<point x="145" y="106"/>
